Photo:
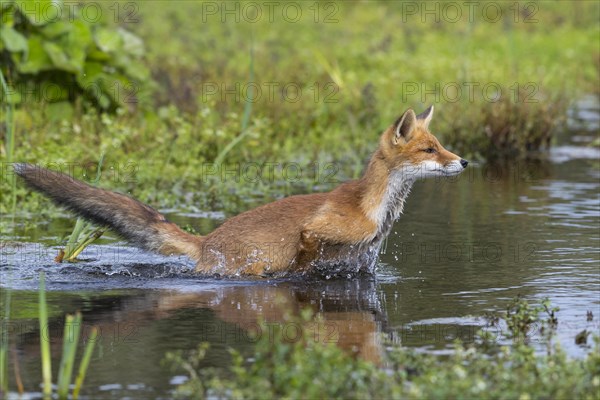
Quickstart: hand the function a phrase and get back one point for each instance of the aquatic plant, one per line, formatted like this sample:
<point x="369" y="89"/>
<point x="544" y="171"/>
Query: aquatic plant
<point x="521" y="316"/>
<point x="84" y="233"/>
<point x="70" y="340"/>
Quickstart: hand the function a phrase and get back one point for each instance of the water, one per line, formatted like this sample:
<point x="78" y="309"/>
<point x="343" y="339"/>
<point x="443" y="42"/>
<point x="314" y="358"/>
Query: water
<point x="463" y="247"/>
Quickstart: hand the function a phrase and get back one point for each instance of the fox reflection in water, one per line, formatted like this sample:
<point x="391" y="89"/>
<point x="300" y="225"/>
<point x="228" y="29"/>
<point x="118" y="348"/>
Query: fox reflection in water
<point x="350" y="313"/>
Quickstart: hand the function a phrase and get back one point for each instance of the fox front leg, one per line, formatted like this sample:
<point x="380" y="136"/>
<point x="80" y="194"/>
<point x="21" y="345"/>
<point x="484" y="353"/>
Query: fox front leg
<point x="308" y="251"/>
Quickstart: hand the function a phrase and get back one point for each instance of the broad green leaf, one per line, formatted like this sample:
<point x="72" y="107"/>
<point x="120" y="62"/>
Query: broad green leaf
<point x="92" y="72"/>
<point x="132" y="44"/>
<point x="108" y="40"/>
<point x="60" y="59"/>
<point x="98" y="55"/>
<point x="58" y="28"/>
<point x="12" y="39"/>
<point x="80" y="34"/>
<point x="77" y="43"/>
<point x="103" y="101"/>
<point x="135" y="69"/>
<point x="36" y="59"/>
<point x="104" y="60"/>
<point x="118" y="87"/>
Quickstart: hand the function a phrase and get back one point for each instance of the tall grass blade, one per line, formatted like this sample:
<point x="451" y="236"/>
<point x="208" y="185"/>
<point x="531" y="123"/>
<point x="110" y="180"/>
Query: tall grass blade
<point x="45" y="341"/>
<point x="74" y="237"/>
<point x="18" y="380"/>
<point x="85" y="362"/>
<point x="4" y="344"/>
<point x="10" y="147"/>
<point x="9" y="137"/>
<point x="245" y="118"/>
<point x="88" y="239"/>
<point x="70" y="341"/>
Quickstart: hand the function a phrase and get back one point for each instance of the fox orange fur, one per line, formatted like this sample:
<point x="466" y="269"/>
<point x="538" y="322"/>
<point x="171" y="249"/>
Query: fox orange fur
<point x="337" y="231"/>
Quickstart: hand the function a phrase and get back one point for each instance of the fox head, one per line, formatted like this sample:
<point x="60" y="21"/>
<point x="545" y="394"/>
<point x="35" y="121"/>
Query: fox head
<point x="409" y="147"/>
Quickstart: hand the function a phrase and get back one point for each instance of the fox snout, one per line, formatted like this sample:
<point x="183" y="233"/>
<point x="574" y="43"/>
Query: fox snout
<point x="454" y="167"/>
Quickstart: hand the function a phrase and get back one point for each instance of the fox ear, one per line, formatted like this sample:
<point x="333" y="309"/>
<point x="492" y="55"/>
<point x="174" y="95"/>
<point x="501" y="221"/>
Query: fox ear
<point x="426" y="116"/>
<point x="404" y="127"/>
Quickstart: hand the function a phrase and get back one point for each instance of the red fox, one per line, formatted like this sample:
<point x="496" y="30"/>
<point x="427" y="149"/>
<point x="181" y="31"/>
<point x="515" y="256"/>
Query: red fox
<point x="340" y="231"/>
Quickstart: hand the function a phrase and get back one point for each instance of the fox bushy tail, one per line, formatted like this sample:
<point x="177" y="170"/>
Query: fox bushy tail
<point x="136" y="222"/>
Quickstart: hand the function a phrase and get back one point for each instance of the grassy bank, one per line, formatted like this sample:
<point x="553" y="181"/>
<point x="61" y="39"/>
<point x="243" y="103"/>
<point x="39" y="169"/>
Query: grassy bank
<point x="280" y="368"/>
<point x="324" y="85"/>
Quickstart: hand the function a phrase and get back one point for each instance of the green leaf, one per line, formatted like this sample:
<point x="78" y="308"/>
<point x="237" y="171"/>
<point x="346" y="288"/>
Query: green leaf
<point x="98" y="55"/>
<point x="13" y="40"/>
<point x="134" y="69"/>
<point x="59" y="58"/>
<point x="97" y="83"/>
<point x="92" y="72"/>
<point x="36" y="59"/>
<point x="104" y="101"/>
<point x="132" y="44"/>
<point x="108" y="40"/>
<point x="78" y="43"/>
<point x="80" y="35"/>
<point x="56" y="29"/>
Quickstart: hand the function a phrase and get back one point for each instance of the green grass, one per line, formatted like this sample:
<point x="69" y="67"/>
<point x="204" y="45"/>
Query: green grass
<point x="356" y="75"/>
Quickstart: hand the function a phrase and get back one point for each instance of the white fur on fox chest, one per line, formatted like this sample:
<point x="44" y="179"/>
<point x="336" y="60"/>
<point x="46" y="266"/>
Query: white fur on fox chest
<point x="392" y="202"/>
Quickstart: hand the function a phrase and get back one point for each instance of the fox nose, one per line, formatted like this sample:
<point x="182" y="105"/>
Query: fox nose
<point x="464" y="163"/>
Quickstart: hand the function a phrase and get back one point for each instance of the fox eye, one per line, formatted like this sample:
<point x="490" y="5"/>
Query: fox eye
<point x="429" y="150"/>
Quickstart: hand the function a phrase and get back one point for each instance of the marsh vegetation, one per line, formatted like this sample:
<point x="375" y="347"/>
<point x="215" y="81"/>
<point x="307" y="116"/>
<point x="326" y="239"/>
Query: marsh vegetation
<point x="203" y="114"/>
